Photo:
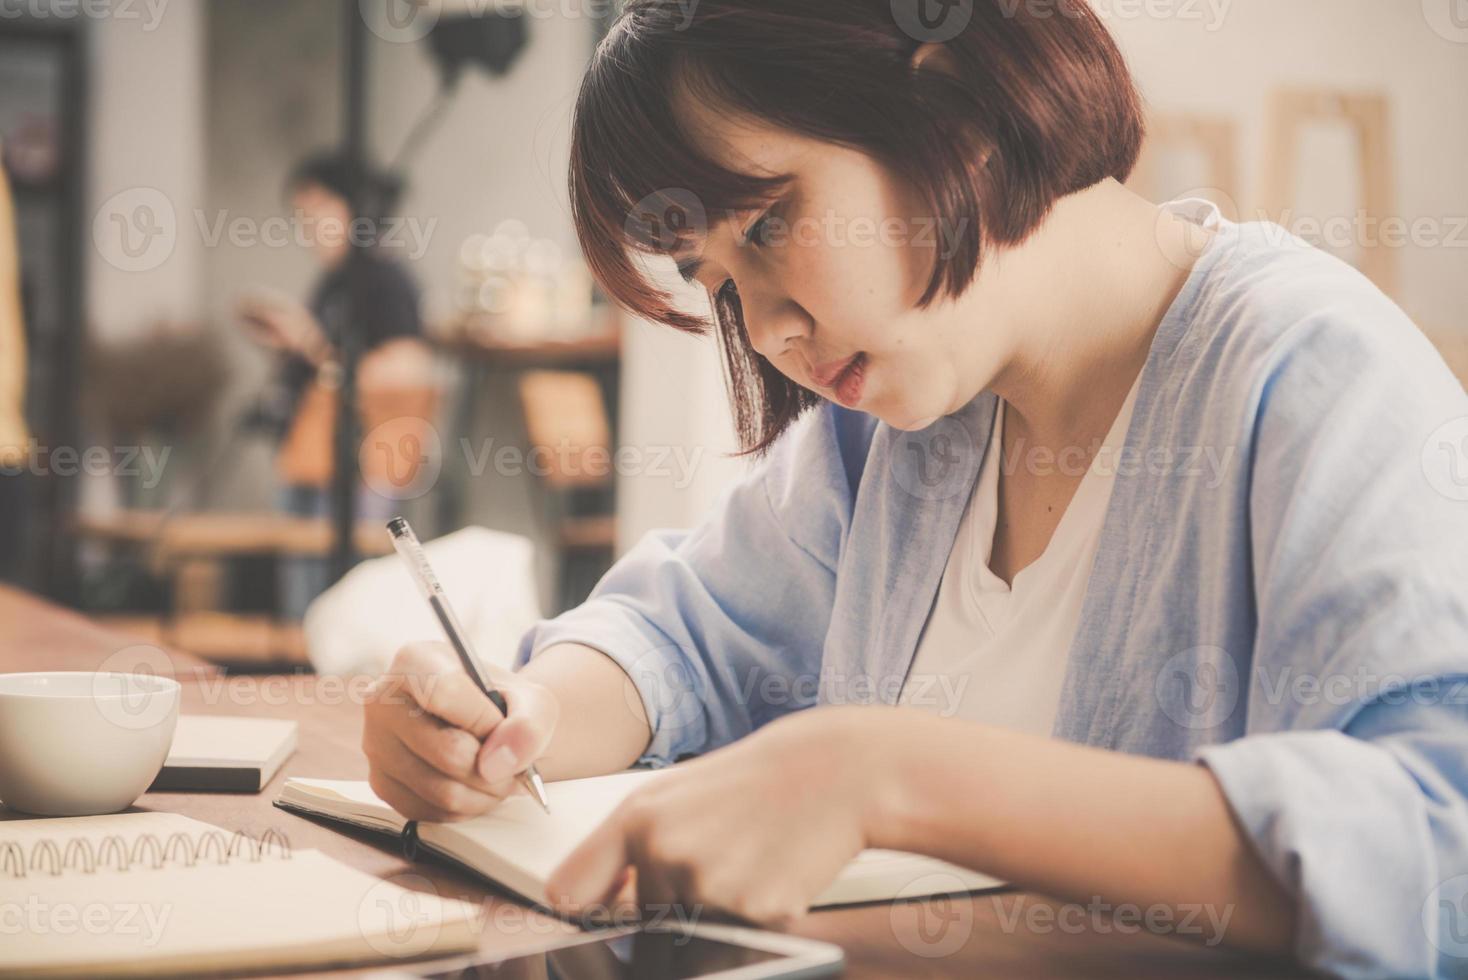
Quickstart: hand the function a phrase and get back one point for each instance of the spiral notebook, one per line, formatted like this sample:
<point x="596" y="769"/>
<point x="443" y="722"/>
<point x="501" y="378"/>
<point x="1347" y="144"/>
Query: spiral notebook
<point x="517" y="845"/>
<point x="149" y="894"/>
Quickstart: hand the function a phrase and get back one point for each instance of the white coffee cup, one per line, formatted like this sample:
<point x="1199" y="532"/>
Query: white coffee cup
<point x="78" y="743"/>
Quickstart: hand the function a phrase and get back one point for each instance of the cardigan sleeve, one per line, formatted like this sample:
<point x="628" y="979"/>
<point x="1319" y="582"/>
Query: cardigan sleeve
<point x="1351" y="781"/>
<point x="721" y="628"/>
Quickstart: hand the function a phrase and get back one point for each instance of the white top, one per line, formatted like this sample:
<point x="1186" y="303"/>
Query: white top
<point x="997" y="653"/>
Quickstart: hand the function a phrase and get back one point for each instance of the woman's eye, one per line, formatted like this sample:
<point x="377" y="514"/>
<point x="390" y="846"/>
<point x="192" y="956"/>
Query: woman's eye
<point x="757" y="231"/>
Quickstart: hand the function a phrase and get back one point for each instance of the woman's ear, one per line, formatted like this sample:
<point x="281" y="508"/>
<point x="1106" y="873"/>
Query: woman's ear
<point x="933" y="56"/>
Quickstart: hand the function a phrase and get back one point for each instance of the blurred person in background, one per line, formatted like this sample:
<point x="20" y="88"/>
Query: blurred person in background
<point x="300" y="406"/>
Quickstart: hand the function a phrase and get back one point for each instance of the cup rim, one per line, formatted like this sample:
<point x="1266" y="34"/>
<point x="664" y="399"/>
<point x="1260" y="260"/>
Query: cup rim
<point x="167" y="685"/>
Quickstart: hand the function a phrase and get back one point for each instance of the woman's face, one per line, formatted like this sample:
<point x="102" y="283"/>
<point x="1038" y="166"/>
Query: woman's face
<point x="831" y="273"/>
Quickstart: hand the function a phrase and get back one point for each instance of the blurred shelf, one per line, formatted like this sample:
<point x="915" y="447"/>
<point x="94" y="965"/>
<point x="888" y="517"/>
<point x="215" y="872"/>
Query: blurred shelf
<point x="145" y="629"/>
<point x="248" y="642"/>
<point x="486" y="337"/>
<point x="231" y="639"/>
<point x="214" y="534"/>
<point x="587" y="533"/>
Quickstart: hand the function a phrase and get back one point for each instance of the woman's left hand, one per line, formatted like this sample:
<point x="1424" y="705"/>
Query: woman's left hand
<point x="755" y="830"/>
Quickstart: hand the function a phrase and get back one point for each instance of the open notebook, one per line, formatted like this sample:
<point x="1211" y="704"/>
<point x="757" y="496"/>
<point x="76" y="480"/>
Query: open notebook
<point x="518" y="845"/>
<point x="149" y="894"/>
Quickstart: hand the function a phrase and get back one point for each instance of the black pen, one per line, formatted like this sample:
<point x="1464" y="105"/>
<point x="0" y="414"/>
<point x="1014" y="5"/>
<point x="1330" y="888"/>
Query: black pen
<point x="406" y="542"/>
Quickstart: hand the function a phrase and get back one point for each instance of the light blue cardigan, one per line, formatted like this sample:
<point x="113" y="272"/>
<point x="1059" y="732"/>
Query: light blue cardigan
<point x="1280" y="590"/>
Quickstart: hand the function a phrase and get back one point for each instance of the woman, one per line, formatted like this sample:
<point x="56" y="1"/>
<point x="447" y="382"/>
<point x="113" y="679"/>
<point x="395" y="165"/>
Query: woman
<point x="301" y="406"/>
<point x="1111" y="547"/>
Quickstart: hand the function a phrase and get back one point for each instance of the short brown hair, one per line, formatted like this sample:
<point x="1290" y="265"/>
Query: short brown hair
<point x="1041" y="105"/>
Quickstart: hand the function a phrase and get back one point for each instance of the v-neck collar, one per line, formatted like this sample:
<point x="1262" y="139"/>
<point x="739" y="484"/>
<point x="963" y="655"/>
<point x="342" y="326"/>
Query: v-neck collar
<point x="1092" y="482"/>
<point x="886" y="597"/>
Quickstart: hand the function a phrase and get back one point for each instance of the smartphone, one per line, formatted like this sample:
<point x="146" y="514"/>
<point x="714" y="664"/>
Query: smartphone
<point x="672" y="952"/>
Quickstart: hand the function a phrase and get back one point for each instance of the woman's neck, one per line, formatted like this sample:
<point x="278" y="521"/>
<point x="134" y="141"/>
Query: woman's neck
<point x="1081" y="300"/>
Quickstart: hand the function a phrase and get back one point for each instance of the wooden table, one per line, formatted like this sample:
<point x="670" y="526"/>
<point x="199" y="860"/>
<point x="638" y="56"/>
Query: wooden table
<point x="1007" y="934"/>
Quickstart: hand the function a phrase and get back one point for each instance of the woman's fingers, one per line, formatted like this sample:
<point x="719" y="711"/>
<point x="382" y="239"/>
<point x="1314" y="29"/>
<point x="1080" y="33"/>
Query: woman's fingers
<point x="524" y="736"/>
<point x="438" y="685"/>
<point x="440" y="743"/>
<point x="594" y="873"/>
<point x="402" y="798"/>
<point x="450" y="751"/>
<point x="451" y="799"/>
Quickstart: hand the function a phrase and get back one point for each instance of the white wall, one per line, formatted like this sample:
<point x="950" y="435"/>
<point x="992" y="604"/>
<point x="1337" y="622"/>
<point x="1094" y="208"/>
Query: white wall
<point x="673" y="407"/>
<point x="145" y="128"/>
<point x="1229" y="64"/>
<point x="500" y="152"/>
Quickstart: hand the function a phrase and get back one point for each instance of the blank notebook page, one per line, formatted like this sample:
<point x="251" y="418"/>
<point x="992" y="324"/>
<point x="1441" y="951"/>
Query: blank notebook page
<point x="518" y="845"/>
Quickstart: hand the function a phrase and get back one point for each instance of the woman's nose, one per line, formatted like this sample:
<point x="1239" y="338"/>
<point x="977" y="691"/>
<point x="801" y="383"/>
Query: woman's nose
<point x="773" y="324"/>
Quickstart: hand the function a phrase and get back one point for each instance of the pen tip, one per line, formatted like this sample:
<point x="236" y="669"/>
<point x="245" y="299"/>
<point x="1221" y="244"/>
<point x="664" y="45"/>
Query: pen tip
<point x="538" y="785"/>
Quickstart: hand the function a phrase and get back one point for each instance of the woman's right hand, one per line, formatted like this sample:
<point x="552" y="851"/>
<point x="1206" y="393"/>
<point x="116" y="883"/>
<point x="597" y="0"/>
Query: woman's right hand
<point x="438" y="748"/>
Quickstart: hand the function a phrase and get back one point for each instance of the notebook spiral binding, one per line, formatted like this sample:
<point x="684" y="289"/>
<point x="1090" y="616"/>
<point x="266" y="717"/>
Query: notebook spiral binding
<point x="79" y="854"/>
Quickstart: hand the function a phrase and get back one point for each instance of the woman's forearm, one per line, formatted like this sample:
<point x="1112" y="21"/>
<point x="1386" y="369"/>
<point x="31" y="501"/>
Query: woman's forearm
<point x="1075" y="822"/>
<point x="603" y="726"/>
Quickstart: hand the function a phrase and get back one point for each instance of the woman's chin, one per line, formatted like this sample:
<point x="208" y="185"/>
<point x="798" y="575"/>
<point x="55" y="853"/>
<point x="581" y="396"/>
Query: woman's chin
<point x="906" y="420"/>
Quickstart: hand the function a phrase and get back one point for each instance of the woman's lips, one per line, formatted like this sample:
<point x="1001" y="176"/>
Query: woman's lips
<point x="844" y="379"/>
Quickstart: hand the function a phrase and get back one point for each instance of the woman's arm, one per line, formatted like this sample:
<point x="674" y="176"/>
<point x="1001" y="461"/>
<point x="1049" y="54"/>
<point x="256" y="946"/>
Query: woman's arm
<point x="1075" y="822"/>
<point x="796" y="800"/>
<point x="703" y="636"/>
<point x="606" y="727"/>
